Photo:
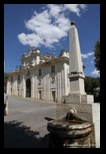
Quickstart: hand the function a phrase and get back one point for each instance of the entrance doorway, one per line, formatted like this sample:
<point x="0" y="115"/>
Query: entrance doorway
<point x="18" y="92"/>
<point x="11" y="91"/>
<point x="53" y="96"/>
<point x="40" y="94"/>
<point x="28" y="88"/>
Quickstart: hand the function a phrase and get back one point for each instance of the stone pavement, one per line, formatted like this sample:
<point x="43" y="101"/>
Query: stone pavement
<point x="26" y="124"/>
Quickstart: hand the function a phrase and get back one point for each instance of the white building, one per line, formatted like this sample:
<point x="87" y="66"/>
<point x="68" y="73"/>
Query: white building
<point x="40" y="77"/>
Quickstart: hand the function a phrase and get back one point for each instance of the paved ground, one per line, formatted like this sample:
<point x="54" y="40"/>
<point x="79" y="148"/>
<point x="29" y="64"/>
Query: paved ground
<point x="26" y="124"/>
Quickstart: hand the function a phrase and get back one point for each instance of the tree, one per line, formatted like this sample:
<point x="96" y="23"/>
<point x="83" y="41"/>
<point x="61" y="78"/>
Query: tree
<point x="97" y="55"/>
<point x="91" y="83"/>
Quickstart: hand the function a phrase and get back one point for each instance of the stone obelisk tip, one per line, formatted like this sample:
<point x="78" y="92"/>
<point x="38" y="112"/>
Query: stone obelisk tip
<point x="72" y="22"/>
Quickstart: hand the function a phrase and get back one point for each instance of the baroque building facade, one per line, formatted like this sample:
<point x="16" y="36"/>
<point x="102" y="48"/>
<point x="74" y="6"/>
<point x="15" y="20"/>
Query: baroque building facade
<point x="40" y="77"/>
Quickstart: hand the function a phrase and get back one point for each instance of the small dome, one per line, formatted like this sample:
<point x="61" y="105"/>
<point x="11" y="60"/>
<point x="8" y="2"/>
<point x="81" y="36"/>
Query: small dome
<point x="37" y="50"/>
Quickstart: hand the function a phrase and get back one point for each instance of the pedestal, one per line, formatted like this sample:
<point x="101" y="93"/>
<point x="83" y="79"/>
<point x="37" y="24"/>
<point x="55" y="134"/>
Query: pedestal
<point x="77" y="98"/>
<point x="76" y="83"/>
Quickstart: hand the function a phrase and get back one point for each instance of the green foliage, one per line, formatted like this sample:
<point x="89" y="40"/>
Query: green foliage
<point x="97" y="55"/>
<point x="91" y="83"/>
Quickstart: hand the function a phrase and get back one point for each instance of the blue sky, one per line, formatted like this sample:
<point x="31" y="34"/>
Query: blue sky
<point x="46" y="26"/>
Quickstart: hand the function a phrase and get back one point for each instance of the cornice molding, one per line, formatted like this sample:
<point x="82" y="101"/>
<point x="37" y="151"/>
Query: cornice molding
<point x="48" y="63"/>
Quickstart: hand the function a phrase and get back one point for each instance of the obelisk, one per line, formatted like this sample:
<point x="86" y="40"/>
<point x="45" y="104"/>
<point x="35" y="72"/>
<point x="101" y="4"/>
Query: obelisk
<point x="77" y="98"/>
<point x="76" y="74"/>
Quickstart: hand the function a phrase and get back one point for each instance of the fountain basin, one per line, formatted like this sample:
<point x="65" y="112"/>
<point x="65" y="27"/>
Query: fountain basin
<point x="69" y="132"/>
<point x="69" y="128"/>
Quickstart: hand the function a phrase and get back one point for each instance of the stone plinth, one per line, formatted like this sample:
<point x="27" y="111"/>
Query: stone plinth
<point x="77" y="83"/>
<point x="71" y="98"/>
<point x="87" y="98"/>
<point x="77" y="98"/>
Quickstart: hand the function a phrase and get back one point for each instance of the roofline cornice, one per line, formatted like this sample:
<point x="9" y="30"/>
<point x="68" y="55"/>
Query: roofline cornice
<point x="48" y="63"/>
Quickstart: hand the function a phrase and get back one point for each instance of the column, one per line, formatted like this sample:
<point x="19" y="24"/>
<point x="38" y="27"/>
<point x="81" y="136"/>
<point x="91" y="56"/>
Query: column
<point x="32" y="86"/>
<point x="23" y="86"/>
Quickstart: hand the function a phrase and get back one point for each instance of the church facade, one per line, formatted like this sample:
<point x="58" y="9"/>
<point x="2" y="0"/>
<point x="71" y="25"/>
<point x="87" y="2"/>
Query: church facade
<point x="40" y="77"/>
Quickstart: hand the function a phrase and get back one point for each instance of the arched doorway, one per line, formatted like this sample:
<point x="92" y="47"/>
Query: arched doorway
<point x="28" y="88"/>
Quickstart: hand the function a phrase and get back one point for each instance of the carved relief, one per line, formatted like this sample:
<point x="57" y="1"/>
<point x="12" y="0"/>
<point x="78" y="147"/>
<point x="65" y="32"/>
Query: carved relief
<point x="52" y="79"/>
<point x="28" y="74"/>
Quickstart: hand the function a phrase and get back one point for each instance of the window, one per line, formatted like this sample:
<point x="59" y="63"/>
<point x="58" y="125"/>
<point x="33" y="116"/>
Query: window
<point x="18" y="77"/>
<point x="11" y="79"/>
<point x="39" y="83"/>
<point x="53" y="69"/>
<point x="18" y="81"/>
<point x="40" y="72"/>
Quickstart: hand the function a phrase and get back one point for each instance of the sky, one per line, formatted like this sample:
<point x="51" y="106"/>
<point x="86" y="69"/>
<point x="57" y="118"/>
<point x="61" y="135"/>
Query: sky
<point x="46" y="26"/>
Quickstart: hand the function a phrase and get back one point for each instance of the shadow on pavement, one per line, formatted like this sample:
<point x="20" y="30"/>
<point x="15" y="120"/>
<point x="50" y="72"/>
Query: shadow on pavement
<point x="48" y="119"/>
<point x="17" y="135"/>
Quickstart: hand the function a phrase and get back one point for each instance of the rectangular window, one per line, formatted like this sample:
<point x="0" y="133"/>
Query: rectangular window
<point x="53" y="69"/>
<point x="40" y="72"/>
<point x="18" y="77"/>
<point x="11" y="79"/>
<point x="18" y="81"/>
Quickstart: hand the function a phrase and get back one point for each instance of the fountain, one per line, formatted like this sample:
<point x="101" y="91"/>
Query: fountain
<point x="69" y="132"/>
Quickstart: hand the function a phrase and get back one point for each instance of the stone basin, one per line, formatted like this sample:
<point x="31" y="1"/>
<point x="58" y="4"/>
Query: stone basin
<point x="69" y="128"/>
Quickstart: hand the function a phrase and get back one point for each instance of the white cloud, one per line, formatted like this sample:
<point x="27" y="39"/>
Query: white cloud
<point x="38" y="21"/>
<point x="49" y="26"/>
<point x="83" y="6"/>
<point x="63" y="23"/>
<point x="55" y="9"/>
<point x="92" y="61"/>
<point x="75" y="8"/>
<point x="87" y="55"/>
<point x="95" y="72"/>
<point x="29" y="39"/>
